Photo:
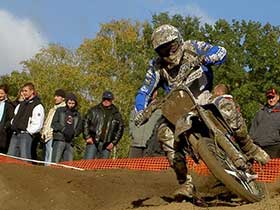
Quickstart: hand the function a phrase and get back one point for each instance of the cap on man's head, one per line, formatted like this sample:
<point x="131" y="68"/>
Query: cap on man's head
<point x="60" y="92"/>
<point x="107" y="95"/>
<point x="271" y="93"/>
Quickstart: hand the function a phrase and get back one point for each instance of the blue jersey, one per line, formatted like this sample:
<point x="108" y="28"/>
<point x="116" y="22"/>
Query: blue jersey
<point x="214" y="55"/>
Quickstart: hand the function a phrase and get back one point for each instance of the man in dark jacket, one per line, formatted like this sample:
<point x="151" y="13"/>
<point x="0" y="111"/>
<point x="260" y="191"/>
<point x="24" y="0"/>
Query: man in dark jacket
<point x="27" y="122"/>
<point x="6" y="115"/>
<point x="66" y="125"/>
<point x="265" y="128"/>
<point x="103" y="128"/>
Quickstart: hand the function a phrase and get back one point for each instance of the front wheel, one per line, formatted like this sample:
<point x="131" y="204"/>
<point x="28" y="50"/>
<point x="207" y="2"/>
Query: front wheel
<point x="222" y="168"/>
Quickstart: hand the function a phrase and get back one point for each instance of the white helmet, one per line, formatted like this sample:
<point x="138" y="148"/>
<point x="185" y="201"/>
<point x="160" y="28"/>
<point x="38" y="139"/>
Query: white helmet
<point x="168" y="43"/>
<point x="164" y="34"/>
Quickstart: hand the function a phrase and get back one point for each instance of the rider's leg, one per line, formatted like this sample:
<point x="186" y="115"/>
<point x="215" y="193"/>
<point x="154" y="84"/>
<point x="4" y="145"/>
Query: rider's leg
<point x="246" y="143"/>
<point x="176" y="157"/>
<point x="186" y="188"/>
<point x="166" y="138"/>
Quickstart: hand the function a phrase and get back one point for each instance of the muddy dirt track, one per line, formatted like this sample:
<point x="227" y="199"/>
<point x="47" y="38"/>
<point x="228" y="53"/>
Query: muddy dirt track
<point x="44" y="188"/>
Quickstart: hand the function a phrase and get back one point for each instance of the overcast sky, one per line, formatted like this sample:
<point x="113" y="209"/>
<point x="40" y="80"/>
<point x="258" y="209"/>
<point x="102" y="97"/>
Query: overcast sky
<point x="28" y="25"/>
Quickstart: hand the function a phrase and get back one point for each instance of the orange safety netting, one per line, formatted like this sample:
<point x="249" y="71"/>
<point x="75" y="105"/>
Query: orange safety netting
<point x="4" y="159"/>
<point x="268" y="173"/>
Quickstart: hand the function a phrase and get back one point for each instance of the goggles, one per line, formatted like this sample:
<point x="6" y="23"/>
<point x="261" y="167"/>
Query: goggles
<point x="168" y="49"/>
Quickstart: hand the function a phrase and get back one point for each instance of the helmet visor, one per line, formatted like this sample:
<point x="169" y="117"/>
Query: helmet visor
<point x="168" y="49"/>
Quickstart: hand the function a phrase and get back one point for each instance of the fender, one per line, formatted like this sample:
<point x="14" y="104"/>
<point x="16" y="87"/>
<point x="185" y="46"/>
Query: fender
<point x="184" y="124"/>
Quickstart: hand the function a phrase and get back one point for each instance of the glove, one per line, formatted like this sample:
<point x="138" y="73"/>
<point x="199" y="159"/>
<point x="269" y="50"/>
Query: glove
<point x="201" y="60"/>
<point x="139" y="118"/>
<point x="204" y="60"/>
<point x="197" y="62"/>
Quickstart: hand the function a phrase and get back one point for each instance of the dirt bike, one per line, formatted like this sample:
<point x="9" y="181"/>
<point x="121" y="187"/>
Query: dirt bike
<point x="209" y="138"/>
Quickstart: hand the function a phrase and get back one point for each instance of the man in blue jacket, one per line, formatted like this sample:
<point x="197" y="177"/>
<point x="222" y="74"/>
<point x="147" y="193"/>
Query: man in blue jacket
<point x="175" y="58"/>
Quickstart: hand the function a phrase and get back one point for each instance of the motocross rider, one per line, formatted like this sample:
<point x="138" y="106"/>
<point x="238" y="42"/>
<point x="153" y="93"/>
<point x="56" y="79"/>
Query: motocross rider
<point x="170" y="68"/>
<point x="231" y="113"/>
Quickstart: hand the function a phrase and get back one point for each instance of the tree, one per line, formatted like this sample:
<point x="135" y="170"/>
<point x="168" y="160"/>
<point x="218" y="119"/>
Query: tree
<point x="15" y="80"/>
<point x="117" y="59"/>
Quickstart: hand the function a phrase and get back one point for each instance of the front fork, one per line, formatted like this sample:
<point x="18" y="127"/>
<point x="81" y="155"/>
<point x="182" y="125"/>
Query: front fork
<point x="238" y="159"/>
<point x="232" y="152"/>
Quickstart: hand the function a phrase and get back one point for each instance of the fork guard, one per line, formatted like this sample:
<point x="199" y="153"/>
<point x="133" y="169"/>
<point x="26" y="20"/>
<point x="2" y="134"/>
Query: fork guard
<point x="184" y="124"/>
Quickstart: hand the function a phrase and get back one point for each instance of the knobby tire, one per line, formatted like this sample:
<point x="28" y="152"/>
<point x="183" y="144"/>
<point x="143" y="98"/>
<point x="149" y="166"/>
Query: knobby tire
<point x="217" y="169"/>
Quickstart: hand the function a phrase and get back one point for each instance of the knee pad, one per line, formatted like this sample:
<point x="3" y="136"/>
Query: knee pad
<point x="165" y="135"/>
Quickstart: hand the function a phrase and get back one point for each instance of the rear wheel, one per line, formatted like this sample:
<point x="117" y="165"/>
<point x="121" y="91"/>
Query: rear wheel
<point x="222" y="168"/>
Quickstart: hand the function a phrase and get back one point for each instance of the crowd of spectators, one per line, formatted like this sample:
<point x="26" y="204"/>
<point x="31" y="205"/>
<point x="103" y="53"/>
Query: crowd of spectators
<point x="24" y="124"/>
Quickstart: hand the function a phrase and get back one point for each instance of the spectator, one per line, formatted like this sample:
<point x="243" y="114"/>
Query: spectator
<point x="66" y="125"/>
<point x="230" y="111"/>
<point x="27" y="122"/>
<point x="103" y="128"/>
<point x="6" y="115"/>
<point x="144" y="138"/>
<point x="47" y="131"/>
<point x="265" y="128"/>
<point x="19" y="98"/>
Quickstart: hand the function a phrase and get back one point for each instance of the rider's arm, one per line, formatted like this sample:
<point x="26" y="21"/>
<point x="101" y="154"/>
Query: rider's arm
<point x="148" y="87"/>
<point x="214" y="55"/>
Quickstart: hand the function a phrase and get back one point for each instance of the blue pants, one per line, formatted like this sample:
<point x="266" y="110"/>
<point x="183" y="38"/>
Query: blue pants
<point x="20" y="145"/>
<point x="48" y="148"/>
<point x="96" y="151"/>
<point x="62" y="150"/>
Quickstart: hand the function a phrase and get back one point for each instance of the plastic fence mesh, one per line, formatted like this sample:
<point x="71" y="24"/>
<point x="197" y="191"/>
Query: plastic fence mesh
<point x="268" y="173"/>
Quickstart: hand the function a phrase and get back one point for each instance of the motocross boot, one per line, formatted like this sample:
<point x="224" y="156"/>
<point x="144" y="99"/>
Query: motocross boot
<point x="249" y="148"/>
<point x="185" y="191"/>
<point x="258" y="154"/>
<point x="166" y="139"/>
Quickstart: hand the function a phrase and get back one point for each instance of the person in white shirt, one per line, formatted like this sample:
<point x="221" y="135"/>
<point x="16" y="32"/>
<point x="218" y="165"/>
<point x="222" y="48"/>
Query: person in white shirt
<point x="28" y="120"/>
